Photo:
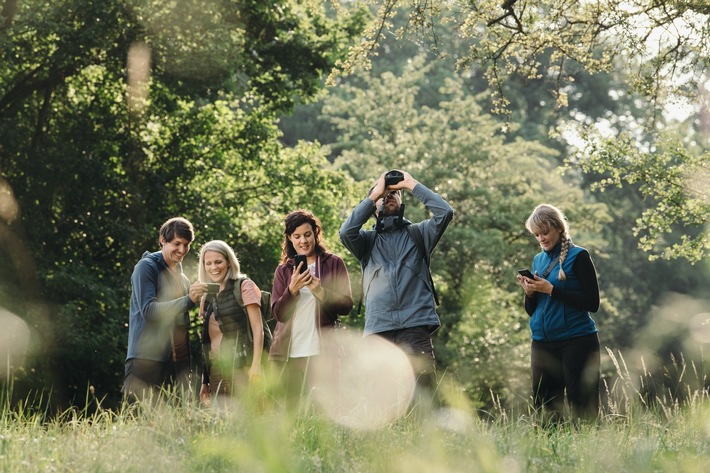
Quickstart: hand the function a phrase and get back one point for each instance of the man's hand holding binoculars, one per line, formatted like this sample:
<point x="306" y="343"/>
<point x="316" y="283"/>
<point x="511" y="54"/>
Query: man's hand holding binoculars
<point x="391" y="181"/>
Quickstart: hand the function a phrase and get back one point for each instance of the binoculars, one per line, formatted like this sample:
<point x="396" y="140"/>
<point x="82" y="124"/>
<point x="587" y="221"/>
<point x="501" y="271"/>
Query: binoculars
<point x="393" y="177"/>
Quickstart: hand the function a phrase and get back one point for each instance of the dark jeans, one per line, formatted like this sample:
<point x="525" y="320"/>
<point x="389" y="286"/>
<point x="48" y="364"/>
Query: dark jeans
<point x="417" y="345"/>
<point x="571" y="365"/>
<point x="293" y="380"/>
<point x="144" y="379"/>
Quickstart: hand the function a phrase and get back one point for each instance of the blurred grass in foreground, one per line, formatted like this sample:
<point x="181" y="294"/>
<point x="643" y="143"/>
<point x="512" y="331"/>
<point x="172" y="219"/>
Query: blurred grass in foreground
<point x="182" y="437"/>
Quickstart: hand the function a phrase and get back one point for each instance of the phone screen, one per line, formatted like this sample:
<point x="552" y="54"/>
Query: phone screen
<point x="302" y="259"/>
<point x="526" y="273"/>
<point x="212" y="288"/>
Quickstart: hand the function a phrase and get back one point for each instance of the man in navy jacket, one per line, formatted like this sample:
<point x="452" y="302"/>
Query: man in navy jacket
<point x="161" y="296"/>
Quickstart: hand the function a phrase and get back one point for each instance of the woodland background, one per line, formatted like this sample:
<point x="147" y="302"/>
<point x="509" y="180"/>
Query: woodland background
<point x="115" y="116"/>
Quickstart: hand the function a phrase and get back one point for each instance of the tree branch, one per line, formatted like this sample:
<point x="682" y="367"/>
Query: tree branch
<point x="508" y="7"/>
<point x="24" y="89"/>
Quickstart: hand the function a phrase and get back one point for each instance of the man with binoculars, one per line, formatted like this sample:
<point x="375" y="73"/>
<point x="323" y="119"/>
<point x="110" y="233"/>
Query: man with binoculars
<point x="397" y="287"/>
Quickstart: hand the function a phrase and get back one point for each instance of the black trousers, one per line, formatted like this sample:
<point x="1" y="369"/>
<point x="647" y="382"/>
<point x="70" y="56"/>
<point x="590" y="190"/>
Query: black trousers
<point x="144" y="379"/>
<point x="571" y="366"/>
<point x="294" y="380"/>
<point x="417" y="345"/>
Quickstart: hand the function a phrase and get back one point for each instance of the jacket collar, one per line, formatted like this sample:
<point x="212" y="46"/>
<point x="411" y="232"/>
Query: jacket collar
<point x="157" y="258"/>
<point x="554" y="251"/>
<point x="392" y="223"/>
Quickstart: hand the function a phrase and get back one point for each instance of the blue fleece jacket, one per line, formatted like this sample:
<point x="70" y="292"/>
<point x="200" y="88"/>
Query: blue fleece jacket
<point x="564" y="314"/>
<point x="154" y="309"/>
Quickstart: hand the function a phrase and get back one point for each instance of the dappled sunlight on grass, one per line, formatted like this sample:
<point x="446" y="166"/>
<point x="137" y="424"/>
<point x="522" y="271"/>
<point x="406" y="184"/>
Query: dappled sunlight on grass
<point x="665" y="371"/>
<point x="360" y="417"/>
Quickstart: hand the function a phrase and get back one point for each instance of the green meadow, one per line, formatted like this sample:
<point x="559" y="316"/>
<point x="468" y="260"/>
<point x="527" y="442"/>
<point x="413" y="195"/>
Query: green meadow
<point x="117" y="115"/>
<point x="633" y="435"/>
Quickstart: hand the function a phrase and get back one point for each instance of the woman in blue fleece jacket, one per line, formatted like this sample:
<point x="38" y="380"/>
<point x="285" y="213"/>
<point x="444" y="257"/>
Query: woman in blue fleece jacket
<point x="565" y="345"/>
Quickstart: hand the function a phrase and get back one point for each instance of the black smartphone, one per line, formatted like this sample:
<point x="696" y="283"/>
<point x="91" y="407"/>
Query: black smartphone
<point x="212" y="288"/>
<point x="301" y="259"/>
<point x="526" y="273"/>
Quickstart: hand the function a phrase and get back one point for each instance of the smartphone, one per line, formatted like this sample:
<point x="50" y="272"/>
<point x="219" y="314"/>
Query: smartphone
<point x="526" y="273"/>
<point x="301" y="259"/>
<point x="212" y="288"/>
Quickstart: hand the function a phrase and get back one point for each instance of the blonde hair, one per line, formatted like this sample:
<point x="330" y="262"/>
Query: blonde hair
<point x="546" y="216"/>
<point x="219" y="246"/>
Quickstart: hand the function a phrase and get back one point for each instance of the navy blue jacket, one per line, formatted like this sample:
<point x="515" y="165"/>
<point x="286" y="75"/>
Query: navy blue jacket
<point x="154" y="310"/>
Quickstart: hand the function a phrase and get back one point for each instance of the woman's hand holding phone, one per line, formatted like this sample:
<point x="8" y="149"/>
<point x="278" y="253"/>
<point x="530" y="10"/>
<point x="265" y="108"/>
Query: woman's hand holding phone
<point x="526" y="273"/>
<point x="525" y="279"/>
<point x="301" y="263"/>
<point x="532" y="283"/>
<point x="301" y="276"/>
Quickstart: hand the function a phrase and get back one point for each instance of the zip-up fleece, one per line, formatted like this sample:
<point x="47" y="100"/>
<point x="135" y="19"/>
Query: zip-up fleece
<point x="396" y="286"/>
<point x="338" y="300"/>
<point x="154" y="310"/>
<point x="564" y="314"/>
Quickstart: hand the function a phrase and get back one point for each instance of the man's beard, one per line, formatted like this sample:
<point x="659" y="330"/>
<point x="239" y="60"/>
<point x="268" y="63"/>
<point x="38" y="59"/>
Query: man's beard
<point x="392" y="209"/>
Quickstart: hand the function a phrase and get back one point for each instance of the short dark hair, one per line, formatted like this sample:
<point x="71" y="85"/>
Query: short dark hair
<point x="177" y="227"/>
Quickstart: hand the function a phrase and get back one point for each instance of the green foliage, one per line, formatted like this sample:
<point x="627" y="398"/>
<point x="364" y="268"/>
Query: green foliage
<point x="555" y="40"/>
<point x="658" y="47"/>
<point x="671" y="177"/>
<point x="99" y="145"/>
<point x="95" y="156"/>
<point x="389" y="118"/>
<point x="491" y="180"/>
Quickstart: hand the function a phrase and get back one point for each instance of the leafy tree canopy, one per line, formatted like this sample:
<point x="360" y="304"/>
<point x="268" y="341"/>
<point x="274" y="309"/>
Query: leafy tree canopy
<point x="115" y="116"/>
<point x="510" y="37"/>
<point x="492" y="181"/>
<point x="661" y="49"/>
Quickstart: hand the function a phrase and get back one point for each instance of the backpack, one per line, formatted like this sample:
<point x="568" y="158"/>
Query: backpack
<point x="416" y="236"/>
<point x="266" y="313"/>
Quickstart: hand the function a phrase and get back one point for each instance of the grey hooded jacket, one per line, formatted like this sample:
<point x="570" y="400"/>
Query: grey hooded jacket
<point x="396" y="285"/>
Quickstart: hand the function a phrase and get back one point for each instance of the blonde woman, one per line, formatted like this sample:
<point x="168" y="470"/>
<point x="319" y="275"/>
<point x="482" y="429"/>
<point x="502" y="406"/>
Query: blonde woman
<point x="558" y="298"/>
<point x="231" y="360"/>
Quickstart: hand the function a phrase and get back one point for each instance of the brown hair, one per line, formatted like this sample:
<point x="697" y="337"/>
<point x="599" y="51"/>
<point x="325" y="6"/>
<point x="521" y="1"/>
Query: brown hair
<point x="177" y="226"/>
<point x="294" y="220"/>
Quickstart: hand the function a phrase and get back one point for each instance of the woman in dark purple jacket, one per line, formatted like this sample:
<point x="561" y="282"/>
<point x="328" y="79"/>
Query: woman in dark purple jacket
<point x="307" y="297"/>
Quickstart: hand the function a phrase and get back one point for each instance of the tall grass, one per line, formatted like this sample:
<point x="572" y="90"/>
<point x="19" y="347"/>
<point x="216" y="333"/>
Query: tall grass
<point x="635" y="434"/>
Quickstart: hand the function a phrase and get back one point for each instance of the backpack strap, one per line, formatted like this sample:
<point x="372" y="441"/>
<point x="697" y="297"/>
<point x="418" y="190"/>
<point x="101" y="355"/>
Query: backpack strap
<point x="369" y="243"/>
<point x="549" y="267"/>
<point x="416" y="235"/>
<point x="240" y="300"/>
<point x="553" y="263"/>
<point x="264" y="325"/>
<point x="238" y="292"/>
